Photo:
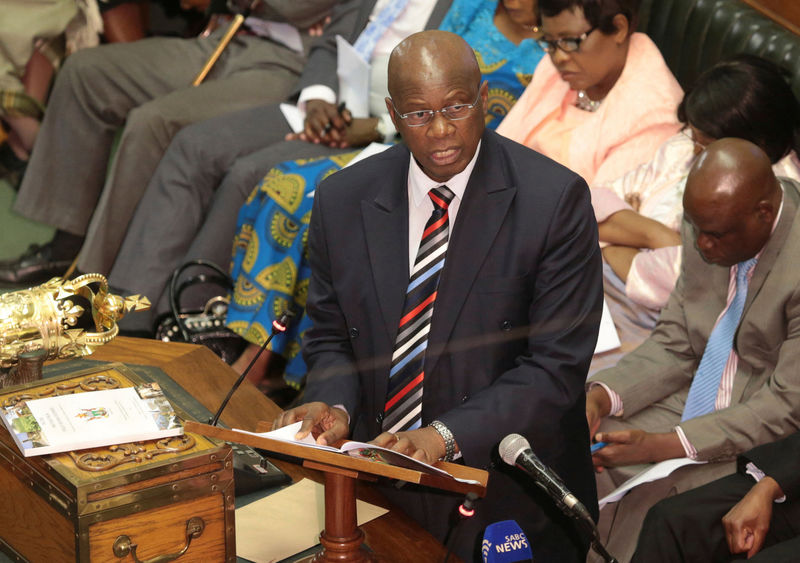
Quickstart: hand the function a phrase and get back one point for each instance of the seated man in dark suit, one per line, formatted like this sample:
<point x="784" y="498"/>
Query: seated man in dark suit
<point x="438" y="339"/>
<point x="754" y="512"/>
<point x="719" y="375"/>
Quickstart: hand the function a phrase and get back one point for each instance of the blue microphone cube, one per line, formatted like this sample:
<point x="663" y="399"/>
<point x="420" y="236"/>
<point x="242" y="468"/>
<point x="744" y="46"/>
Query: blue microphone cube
<point x="505" y="542"/>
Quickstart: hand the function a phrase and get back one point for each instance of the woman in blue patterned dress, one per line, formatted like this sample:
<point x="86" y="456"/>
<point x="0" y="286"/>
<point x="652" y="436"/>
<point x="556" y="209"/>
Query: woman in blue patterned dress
<point x="270" y="266"/>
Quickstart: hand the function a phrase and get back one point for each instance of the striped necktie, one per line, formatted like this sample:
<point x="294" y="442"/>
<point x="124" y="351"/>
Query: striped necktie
<point x="705" y="385"/>
<point x="403" y="409"/>
<point x="368" y="39"/>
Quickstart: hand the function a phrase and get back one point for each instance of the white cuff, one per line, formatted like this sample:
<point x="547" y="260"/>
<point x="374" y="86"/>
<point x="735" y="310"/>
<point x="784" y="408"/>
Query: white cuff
<point x="754" y="472"/>
<point x="385" y="128"/>
<point x="316" y="92"/>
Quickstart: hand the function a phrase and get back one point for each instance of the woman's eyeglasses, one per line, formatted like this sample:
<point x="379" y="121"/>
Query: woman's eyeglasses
<point x="566" y="44"/>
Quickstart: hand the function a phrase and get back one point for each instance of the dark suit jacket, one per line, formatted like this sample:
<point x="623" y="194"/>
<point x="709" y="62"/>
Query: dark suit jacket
<point x="781" y="461"/>
<point x="513" y="330"/>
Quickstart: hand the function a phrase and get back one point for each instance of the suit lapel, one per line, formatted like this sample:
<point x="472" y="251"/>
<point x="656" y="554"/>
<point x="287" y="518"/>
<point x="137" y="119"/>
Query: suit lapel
<point x="765" y="263"/>
<point x="774" y="245"/>
<point x="480" y="216"/>
<point x="386" y="228"/>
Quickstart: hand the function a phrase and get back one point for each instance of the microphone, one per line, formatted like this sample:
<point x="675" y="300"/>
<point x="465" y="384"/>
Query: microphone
<point x="278" y="325"/>
<point x="515" y="450"/>
<point x="505" y="542"/>
<point x="465" y="511"/>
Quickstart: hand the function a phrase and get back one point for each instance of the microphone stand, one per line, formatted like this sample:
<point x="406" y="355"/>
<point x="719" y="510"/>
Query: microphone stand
<point x="465" y="510"/>
<point x="596" y="543"/>
<point x="278" y="325"/>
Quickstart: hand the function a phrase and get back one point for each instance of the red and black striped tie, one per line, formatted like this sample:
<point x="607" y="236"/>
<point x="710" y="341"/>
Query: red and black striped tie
<point x="403" y="409"/>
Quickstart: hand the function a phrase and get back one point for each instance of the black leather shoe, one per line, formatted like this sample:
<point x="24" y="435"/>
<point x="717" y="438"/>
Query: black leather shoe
<point x="35" y="266"/>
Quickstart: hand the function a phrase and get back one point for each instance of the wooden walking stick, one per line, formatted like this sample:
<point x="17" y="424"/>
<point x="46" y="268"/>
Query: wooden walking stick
<point x="234" y="26"/>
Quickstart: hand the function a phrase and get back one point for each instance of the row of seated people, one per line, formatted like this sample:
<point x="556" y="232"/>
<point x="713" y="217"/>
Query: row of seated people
<point x="600" y="105"/>
<point x="631" y="123"/>
<point x="34" y="38"/>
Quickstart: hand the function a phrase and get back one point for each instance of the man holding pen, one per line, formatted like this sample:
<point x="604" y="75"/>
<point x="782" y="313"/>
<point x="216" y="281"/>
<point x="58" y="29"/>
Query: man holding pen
<point x="718" y="375"/>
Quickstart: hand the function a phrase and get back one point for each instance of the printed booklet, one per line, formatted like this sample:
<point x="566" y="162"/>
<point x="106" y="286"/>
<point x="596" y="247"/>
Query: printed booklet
<point x="91" y="420"/>
<point x="357" y="449"/>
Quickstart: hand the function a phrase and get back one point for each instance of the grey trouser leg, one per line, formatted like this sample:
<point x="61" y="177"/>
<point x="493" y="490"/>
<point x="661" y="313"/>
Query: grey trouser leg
<point x="207" y="226"/>
<point x="150" y="129"/>
<point x="95" y="93"/>
<point x="91" y="98"/>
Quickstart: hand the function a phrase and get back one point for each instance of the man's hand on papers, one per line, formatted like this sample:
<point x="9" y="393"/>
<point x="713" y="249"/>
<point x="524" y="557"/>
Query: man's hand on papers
<point x="328" y="424"/>
<point x="629" y="447"/>
<point x="424" y="444"/>
<point x="324" y="124"/>
<point x="747" y="523"/>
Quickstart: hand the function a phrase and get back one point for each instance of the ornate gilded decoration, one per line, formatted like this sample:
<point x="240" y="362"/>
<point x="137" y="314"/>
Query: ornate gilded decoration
<point x="64" y="318"/>
<point x="136" y="452"/>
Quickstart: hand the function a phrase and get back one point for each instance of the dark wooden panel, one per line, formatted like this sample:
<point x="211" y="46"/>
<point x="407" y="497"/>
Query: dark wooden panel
<point x="785" y="12"/>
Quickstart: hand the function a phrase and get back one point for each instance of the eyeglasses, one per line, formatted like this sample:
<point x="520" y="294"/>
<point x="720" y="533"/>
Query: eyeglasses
<point x="424" y="116"/>
<point x="566" y="44"/>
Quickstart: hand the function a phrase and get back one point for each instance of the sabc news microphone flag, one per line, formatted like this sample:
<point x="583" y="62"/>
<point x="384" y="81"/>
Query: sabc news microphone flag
<point x="505" y="542"/>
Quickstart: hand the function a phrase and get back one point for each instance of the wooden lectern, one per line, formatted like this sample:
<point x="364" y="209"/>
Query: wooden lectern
<point x="341" y="539"/>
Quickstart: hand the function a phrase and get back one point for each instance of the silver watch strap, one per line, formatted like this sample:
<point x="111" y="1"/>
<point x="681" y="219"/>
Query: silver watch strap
<point x="449" y="439"/>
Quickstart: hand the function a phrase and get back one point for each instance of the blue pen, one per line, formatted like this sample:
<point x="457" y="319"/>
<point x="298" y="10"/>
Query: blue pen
<point x="598" y="446"/>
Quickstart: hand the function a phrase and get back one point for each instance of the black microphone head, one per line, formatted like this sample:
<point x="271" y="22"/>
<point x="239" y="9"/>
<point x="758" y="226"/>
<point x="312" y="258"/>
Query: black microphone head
<point x="511" y="446"/>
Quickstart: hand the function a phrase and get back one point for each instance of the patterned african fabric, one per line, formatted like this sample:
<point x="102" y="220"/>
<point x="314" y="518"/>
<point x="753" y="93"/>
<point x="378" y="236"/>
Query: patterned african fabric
<point x="508" y="67"/>
<point x="270" y="261"/>
<point x="270" y="265"/>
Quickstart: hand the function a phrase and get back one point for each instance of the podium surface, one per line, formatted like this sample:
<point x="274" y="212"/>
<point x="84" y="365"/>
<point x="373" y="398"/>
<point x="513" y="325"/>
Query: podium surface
<point x="392" y="537"/>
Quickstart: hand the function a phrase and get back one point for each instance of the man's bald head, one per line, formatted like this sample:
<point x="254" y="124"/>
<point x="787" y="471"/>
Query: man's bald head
<point x="732" y="197"/>
<point x="428" y="55"/>
<point x="430" y="72"/>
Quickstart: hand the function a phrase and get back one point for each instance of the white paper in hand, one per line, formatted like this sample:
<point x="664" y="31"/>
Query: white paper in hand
<point x="652" y="473"/>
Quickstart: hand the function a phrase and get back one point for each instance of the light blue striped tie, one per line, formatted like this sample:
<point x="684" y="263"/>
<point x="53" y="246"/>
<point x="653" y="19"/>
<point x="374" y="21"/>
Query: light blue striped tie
<point x="365" y="44"/>
<point x="703" y="392"/>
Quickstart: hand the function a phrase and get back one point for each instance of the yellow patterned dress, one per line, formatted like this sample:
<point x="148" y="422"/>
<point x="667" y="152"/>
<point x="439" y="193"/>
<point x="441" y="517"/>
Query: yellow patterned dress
<point x="270" y="265"/>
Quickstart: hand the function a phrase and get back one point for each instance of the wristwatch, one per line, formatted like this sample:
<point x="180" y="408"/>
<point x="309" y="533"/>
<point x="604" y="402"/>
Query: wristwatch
<point x="449" y="440"/>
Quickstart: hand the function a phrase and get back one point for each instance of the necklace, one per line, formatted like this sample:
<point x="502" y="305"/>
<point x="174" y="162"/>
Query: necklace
<point x="585" y="103"/>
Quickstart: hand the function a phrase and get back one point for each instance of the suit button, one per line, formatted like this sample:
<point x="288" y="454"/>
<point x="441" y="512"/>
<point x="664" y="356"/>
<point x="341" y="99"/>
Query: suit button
<point x="354" y="332"/>
<point x="379" y="418"/>
<point x="465" y="398"/>
<point x="506" y="325"/>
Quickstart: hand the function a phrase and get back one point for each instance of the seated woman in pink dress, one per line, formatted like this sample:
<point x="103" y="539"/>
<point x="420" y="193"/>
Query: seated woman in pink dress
<point x="640" y="213"/>
<point x="604" y="100"/>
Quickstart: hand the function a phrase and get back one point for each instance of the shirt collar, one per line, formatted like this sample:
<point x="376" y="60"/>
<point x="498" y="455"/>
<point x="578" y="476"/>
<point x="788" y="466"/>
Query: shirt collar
<point x="420" y="183"/>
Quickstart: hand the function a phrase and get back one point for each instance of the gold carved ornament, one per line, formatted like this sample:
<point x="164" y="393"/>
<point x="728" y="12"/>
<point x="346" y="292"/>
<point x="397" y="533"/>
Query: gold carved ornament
<point x="65" y="318"/>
